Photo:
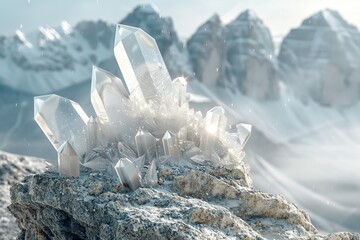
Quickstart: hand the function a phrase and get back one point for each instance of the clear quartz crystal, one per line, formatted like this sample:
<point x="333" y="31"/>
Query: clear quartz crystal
<point x="92" y="134"/>
<point x="113" y="142"/>
<point x="68" y="161"/>
<point x="244" y="131"/>
<point x="146" y="145"/>
<point x="151" y="178"/>
<point x="110" y="99"/>
<point x="215" y="121"/>
<point x="180" y="95"/>
<point x="108" y="95"/>
<point x="128" y="173"/>
<point x="142" y="65"/>
<point x="170" y="145"/>
<point x="61" y="120"/>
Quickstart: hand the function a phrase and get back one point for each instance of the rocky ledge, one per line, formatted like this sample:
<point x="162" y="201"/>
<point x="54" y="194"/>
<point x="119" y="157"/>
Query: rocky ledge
<point x="201" y="202"/>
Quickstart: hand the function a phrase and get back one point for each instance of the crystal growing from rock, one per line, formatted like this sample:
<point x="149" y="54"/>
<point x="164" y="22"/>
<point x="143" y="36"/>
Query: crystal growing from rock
<point x="61" y="120"/>
<point x="146" y="145"/>
<point x="141" y="64"/>
<point x="140" y="123"/>
<point x="128" y="173"/>
<point x="240" y="132"/>
<point x="68" y="161"/>
<point x="180" y="86"/>
<point x="215" y="121"/>
<point x="170" y="145"/>
<point x="151" y="178"/>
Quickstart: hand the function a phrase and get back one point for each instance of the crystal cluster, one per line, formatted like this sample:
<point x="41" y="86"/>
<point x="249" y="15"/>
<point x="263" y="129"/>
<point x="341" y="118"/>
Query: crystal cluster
<point x="140" y="123"/>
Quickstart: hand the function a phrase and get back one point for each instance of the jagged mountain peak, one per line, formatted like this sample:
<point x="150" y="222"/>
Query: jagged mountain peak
<point x="146" y="9"/>
<point x="328" y="18"/>
<point x="148" y="19"/>
<point x="248" y="15"/>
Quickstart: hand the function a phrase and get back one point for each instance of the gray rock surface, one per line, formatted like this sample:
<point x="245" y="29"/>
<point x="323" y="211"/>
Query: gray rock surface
<point x="320" y="60"/>
<point x="239" y="56"/>
<point x="201" y="202"/>
<point x="12" y="169"/>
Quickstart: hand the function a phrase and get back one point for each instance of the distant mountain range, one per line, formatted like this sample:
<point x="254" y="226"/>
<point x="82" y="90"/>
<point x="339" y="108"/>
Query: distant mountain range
<point x="318" y="60"/>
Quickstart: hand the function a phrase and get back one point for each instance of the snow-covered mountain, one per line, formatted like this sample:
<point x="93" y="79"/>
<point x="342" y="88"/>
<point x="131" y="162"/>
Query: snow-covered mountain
<point x="50" y="59"/>
<point x="238" y="56"/>
<point x="321" y="60"/>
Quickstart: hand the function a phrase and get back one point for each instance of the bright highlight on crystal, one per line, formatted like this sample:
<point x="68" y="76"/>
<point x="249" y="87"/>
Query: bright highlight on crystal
<point x="140" y="123"/>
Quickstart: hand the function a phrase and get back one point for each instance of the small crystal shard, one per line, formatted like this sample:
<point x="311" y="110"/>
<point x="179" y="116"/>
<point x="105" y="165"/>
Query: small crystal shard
<point x="215" y="121"/>
<point x="61" y="120"/>
<point x="68" y="161"/>
<point x="151" y="178"/>
<point x="125" y="151"/>
<point x="141" y="64"/>
<point x="92" y="134"/>
<point x="244" y="131"/>
<point x="146" y="145"/>
<point x="170" y="145"/>
<point x="180" y="95"/>
<point x="128" y="173"/>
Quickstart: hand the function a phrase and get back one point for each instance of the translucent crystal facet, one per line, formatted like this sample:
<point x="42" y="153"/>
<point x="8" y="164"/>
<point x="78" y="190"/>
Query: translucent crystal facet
<point x="92" y="133"/>
<point x="141" y="64"/>
<point x="151" y="178"/>
<point x="61" y="120"/>
<point x="68" y="161"/>
<point x="215" y="121"/>
<point x="110" y="99"/>
<point x="128" y="173"/>
<point x="170" y="145"/>
<point x="108" y="95"/>
<point x="146" y="145"/>
<point x="180" y="95"/>
<point x="244" y="131"/>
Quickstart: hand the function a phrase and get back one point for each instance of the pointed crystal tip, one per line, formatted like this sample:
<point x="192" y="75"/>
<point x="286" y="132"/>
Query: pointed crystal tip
<point x="68" y="160"/>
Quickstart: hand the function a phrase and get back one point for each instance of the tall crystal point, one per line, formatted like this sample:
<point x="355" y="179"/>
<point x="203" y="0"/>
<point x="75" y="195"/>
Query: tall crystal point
<point x="61" y="120"/>
<point x="128" y="173"/>
<point x="170" y="145"/>
<point x="68" y="161"/>
<point x="179" y="86"/>
<point x="141" y="64"/>
<point x="146" y="145"/>
<point x="215" y="121"/>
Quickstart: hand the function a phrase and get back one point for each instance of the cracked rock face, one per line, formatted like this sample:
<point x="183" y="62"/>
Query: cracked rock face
<point x="202" y="202"/>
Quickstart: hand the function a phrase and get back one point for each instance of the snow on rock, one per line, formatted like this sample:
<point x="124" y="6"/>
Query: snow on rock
<point x="238" y="56"/>
<point x="321" y="60"/>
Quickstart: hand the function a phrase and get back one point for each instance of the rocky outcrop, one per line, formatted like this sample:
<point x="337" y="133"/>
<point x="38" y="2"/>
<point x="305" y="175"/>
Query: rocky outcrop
<point x="321" y="59"/>
<point x="239" y="56"/>
<point x="202" y="202"/>
<point x="13" y="168"/>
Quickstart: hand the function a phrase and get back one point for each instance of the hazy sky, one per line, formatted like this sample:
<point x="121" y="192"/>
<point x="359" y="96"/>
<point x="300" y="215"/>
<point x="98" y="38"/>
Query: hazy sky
<point x="279" y="15"/>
